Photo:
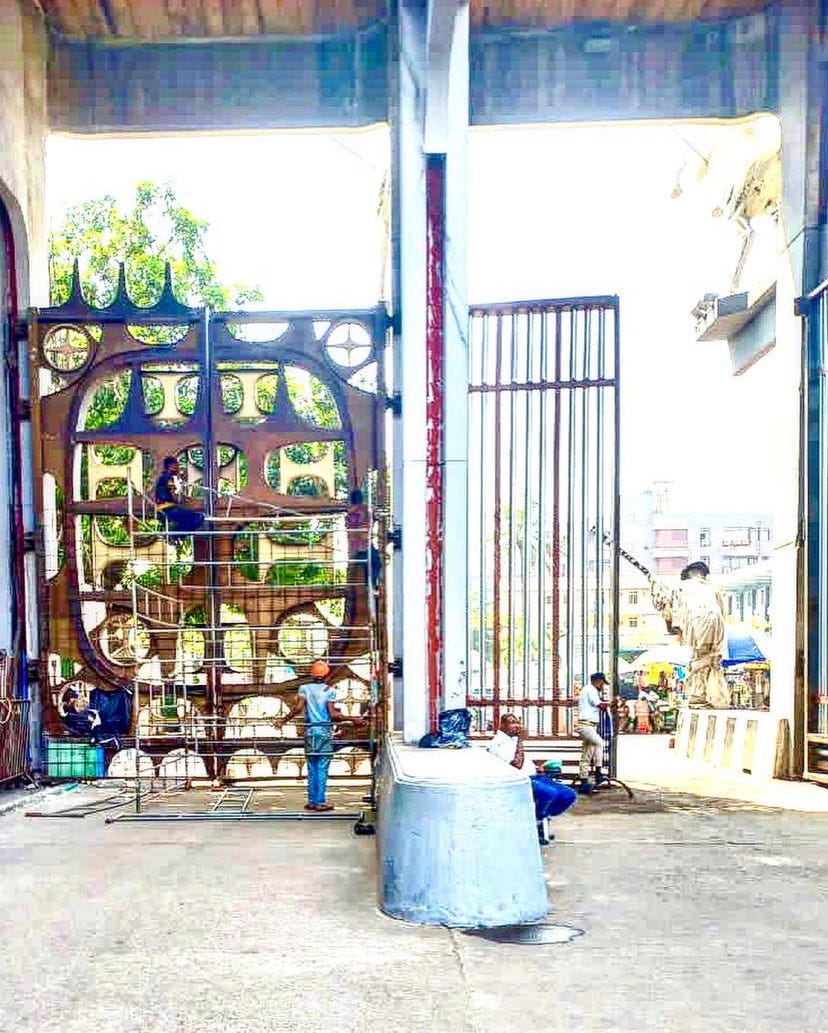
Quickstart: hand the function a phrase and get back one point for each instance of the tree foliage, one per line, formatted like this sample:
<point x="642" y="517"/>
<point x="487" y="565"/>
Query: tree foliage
<point x="154" y="230"/>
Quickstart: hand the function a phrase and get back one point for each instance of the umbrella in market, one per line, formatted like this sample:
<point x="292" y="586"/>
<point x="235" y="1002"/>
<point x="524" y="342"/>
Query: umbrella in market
<point x="745" y="645"/>
<point x="626" y="666"/>
<point x="673" y="655"/>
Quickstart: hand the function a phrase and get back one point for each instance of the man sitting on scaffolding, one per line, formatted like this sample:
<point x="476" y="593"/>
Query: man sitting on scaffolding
<point x="181" y="520"/>
<point x="359" y="522"/>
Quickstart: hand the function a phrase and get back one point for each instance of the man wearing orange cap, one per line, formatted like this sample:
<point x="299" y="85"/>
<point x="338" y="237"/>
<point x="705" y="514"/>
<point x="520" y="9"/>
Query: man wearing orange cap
<point x="317" y="700"/>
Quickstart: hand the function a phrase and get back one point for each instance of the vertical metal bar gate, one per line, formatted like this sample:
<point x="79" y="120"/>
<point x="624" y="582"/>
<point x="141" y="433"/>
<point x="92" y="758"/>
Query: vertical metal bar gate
<point x="543" y="507"/>
<point x="815" y="309"/>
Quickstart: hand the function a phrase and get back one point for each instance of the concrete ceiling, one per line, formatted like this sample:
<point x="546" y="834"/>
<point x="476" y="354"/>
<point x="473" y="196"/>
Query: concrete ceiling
<point x="155" y="20"/>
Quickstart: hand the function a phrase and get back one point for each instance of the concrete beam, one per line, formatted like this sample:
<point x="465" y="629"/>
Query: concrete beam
<point x="590" y="71"/>
<point x="338" y="81"/>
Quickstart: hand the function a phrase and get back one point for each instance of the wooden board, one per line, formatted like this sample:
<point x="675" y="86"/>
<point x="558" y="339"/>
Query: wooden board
<point x="550" y="13"/>
<point x="169" y="19"/>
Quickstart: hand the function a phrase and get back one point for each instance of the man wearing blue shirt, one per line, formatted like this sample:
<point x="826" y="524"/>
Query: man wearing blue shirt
<point x="317" y="701"/>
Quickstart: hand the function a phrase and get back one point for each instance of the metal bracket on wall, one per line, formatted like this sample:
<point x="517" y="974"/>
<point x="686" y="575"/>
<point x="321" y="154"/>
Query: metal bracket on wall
<point x="395" y="667"/>
<point x="395" y="536"/>
<point x="394" y="403"/>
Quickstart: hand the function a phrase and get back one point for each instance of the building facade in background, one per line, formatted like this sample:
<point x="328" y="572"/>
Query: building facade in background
<point x="737" y="547"/>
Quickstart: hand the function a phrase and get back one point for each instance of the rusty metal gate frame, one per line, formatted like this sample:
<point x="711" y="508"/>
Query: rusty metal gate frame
<point x="74" y="348"/>
<point x="543" y="508"/>
<point x="14" y="724"/>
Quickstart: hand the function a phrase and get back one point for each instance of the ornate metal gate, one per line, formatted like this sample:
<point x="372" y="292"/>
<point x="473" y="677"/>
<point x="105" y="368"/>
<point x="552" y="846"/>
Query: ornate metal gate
<point x="274" y="418"/>
<point x="543" y="504"/>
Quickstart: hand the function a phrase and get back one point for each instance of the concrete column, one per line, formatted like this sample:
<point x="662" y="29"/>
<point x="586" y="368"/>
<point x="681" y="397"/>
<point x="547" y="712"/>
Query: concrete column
<point x="409" y="303"/>
<point x="430" y="275"/>
<point x="799" y="272"/>
<point x="451" y="138"/>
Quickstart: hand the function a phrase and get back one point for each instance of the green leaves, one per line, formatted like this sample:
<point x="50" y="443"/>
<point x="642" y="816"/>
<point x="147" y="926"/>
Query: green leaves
<point x="156" y="229"/>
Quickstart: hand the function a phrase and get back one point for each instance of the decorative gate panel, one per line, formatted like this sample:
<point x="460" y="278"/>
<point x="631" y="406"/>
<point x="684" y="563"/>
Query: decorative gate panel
<point x="274" y="418"/>
<point x="543" y="505"/>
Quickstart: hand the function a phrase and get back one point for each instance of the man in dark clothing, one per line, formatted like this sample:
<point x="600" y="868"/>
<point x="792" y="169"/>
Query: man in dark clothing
<point x="358" y="522"/>
<point x="81" y="720"/>
<point x="181" y="521"/>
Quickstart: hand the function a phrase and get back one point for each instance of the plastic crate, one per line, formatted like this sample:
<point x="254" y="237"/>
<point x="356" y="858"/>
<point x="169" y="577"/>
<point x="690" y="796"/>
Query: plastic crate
<point x="69" y="759"/>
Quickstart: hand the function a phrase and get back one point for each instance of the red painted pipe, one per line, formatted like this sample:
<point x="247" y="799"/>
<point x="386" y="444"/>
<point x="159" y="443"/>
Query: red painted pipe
<point x="435" y="427"/>
<point x="497" y="527"/>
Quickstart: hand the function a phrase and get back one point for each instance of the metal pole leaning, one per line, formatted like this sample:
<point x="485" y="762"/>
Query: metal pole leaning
<point x="133" y="582"/>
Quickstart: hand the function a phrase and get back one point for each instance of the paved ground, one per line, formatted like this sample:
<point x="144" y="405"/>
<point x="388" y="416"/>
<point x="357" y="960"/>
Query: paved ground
<point x="647" y="761"/>
<point x="699" y="915"/>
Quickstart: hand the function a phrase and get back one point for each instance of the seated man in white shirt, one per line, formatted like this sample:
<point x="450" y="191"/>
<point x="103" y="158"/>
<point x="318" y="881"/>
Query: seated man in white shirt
<point x="551" y="798"/>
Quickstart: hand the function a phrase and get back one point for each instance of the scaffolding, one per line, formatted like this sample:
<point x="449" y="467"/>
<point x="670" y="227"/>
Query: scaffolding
<point x="223" y="633"/>
<point x="191" y="647"/>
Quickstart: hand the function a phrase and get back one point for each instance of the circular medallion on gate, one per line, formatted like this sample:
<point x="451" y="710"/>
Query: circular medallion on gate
<point x="67" y="348"/>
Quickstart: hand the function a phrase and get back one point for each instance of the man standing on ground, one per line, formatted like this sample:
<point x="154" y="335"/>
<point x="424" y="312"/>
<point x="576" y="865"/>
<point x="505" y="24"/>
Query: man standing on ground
<point x="590" y="705"/>
<point x="551" y="798"/>
<point x="317" y="700"/>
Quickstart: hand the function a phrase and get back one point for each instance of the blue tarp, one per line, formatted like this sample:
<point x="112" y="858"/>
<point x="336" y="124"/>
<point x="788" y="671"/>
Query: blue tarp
<point x="742" y="648"/>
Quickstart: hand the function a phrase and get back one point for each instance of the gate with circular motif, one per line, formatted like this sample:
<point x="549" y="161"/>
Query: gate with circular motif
<point x="198" y="642"/>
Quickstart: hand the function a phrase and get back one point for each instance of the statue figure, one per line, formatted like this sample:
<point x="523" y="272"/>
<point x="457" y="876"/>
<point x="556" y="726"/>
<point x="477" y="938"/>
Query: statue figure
<point x="695" y="610"/>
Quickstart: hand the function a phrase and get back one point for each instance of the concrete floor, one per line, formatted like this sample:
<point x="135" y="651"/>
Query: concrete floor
<point x="698" y="916"/>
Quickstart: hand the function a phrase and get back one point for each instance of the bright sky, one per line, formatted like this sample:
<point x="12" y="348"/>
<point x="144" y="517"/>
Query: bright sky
<point x="552" y="212"/>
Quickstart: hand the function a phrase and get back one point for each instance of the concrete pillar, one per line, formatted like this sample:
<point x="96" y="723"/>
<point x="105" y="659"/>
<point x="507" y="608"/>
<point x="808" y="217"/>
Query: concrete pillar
<point x="457" y="840"/>
<point x="409" y="303"/>
<point x="447" y="133"/>
<point x="430" y="279"/>
<point x="799" y="110"/>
